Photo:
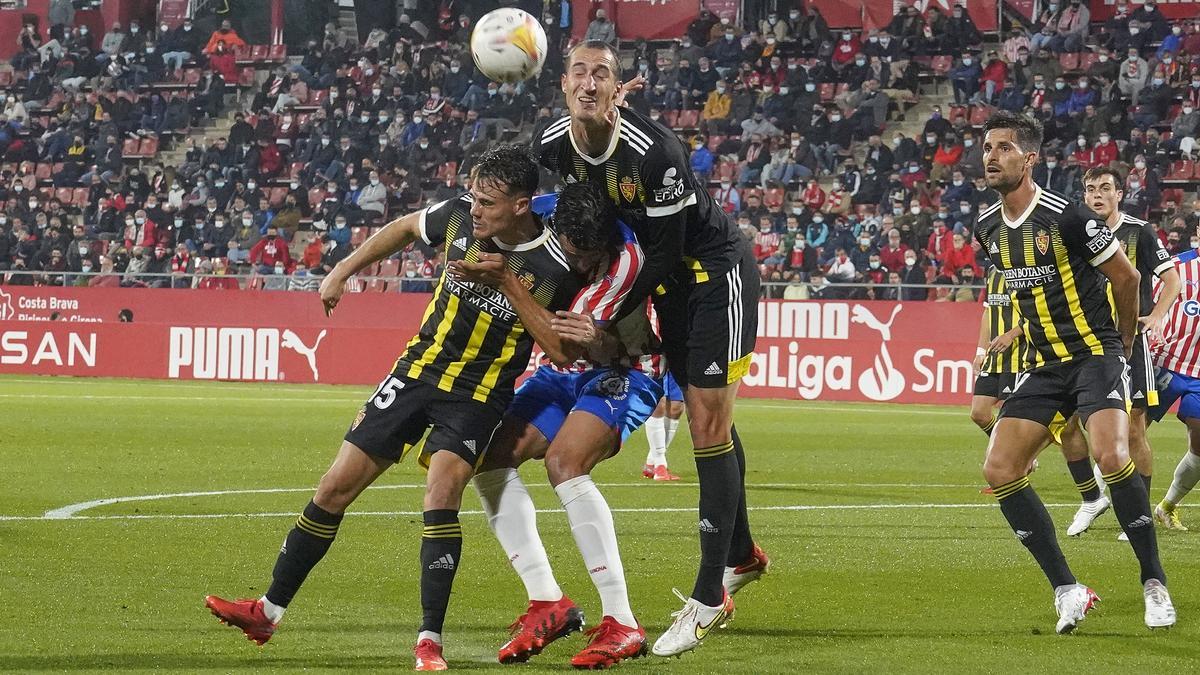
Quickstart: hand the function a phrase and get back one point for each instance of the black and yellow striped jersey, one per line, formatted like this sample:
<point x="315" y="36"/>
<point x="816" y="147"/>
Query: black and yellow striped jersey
<point x="1146" y="253"/>
<point x="647" y="173"/>
<point x="471" y="341"/>
<point x="1048" y="257"/>
<point x="1002" y="316"/>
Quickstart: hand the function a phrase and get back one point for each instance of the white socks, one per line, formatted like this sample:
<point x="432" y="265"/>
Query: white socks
<point x="273" y="611"/>
<point x="660" y="431"/>
<point x="513" y="519"/>
<point x="592" y="525"/>
<point x="1187" y="474"/>
<point x="429" y="635"/>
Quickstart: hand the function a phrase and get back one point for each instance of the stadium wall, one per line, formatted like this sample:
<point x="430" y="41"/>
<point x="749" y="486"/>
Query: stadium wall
<point x="807" y="350"/>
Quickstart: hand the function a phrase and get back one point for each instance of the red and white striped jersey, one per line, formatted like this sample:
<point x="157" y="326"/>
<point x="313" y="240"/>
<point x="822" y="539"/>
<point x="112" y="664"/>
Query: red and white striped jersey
<point x="1179" y="348"/>
<point x="603" y="298"/>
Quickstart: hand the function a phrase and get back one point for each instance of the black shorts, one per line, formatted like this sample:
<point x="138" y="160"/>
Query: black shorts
<point x="1143" y="389"/>
<point x="1082" y="386"/>
<point x="709" y="325"/>
<point x="995" y="385"/>
<point x="402" y="409"/>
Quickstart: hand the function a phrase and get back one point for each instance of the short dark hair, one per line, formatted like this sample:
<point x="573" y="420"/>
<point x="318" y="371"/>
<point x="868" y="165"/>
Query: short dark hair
<point x="596" y="44"/>
<point x="511" y="165"/>
<point x="1098" y="172"/>
<point x="584" y="214"/>
<point x="1027" y="129"/>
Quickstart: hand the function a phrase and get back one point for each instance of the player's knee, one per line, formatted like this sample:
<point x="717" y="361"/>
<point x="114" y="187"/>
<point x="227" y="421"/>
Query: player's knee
<point x="333" y="493"/>
<point x="998" y="471"/>
<point x="1112" y="458"/>
<point x="563" y="466"/>
<point x="982" y="417"/>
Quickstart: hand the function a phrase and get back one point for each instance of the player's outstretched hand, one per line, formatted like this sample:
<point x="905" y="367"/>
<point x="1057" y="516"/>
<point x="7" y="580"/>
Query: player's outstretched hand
<point x="331" y="290"/>
<point x="637" y="83"/>
<point x="491" y="269"/>
<point x="578" y="328"/>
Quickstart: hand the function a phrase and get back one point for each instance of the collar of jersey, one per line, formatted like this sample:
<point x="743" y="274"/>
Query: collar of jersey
<point x="1014" y="224"/>
<point x="612" y="143"/>
<point x="531" y="244"/>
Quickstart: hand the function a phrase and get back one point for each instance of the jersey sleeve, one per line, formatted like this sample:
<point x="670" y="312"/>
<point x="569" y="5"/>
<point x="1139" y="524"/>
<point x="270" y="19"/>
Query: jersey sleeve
<point x="603" y="297"/>
<point x="433" y="219"/>
<point x="1084" y="233"/>
<point x="665" y="176"/>
<point x="1156" y="257"/>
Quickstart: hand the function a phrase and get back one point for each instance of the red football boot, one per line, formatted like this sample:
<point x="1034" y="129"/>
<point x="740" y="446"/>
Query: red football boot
<point x="542" y="623"/>
<point x="429" y="656"/>
<point x="246" y="614"/>
<point x="611" y="642"/>
<point x="648" y="471"/>
<point x="662" y="473"/>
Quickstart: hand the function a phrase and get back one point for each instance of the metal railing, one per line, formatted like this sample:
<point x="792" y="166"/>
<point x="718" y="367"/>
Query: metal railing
<point x="363" y="283"/>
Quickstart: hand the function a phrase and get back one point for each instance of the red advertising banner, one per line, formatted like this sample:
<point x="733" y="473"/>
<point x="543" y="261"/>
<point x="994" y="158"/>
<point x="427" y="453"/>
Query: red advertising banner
<point x="807" y="350"/>
<point x="879" y="13"/>
<point x="650" y="19"/>
<point x="1172" y="9"/>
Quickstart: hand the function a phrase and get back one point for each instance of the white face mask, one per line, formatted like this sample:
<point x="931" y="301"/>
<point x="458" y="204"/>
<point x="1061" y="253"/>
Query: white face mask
<point x="968" y="142"/>
<point x="910" y="261"/>
<point x="915" y="210"/>
<point x="1140" y="165"/>
<point x="1051" y="165"/>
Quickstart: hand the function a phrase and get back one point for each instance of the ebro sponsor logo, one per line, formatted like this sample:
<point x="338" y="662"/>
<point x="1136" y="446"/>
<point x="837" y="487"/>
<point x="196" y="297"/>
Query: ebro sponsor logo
<point x="1191" y="308"/>
<point x="235" y="353"/>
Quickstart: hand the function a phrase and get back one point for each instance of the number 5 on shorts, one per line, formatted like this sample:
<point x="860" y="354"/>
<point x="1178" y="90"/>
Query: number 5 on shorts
<point x="385" y="395"/>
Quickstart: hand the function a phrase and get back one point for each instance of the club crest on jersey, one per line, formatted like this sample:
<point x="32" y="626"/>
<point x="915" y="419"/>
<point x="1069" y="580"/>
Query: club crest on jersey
<point x="1042" y="240"/>
<point x="526" y="280"/>
<point x="614" y="386"/>
<point x="358" y="418"/>
<point x="628" y="188"/>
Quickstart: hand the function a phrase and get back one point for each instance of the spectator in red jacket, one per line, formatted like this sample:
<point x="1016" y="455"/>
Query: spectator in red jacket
<point x="141" y="232"/>
<point x="892" y="253"/>
<point x="813" y="196"/>
<point x="959" y="256"/>
<point x="270" y="251"/>
<point x="992" y="80"/>
<point x="941" y="240"/>
<point x="222" y="61"/>
<point x="220" y="280"/>
<point x="766" y="241"/>
<point x="270" y="162"/>
<point x="1105" y="151"/>
<point x="1083" y="154"/>
<point x="947" y="155"/>
<point x="846" y="49"/>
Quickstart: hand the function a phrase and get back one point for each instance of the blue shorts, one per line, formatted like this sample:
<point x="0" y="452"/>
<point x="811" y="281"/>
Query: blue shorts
<point x="1174" y="387"/>
<point x="622" y="400"/>
<point x="671" y="388"/>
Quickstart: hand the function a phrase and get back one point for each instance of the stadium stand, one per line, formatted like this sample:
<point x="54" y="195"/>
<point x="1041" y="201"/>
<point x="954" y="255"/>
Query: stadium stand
<point x="160" y="158"/>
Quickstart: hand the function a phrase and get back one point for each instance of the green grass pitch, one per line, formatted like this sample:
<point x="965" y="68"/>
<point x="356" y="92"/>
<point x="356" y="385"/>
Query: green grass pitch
<point x="885" y="556"/>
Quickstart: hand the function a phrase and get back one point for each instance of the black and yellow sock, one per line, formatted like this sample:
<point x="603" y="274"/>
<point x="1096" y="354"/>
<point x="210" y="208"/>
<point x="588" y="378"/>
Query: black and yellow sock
<point x="987" y="428"/>
<point x="1027" y="516"/>
<point x="717" y="470"/>
<point x="741" y="542"/>
<point x="1132" y="507"/>
<point x="441" y="551"/>
<point x="1085" y="479"/>
<point x="1146" y="481"/>
<point x="302" y="549"/>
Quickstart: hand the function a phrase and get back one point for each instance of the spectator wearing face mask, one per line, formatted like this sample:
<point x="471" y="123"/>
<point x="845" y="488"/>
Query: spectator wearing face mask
<point x="1134" y="74"/>
<point x="845" y="50"/>
<point x="1184" y="128"/>
<point x="1154" y="102"/>
<point x="270" y="251"/>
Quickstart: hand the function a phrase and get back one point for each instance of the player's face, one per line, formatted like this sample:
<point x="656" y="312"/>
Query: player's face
<point x="583" y="262"/>
<point x="1102" y="195"/>
<point x="590" y="84"/>
<point x="494" y="212"/>
<point x="1004" y="162"/>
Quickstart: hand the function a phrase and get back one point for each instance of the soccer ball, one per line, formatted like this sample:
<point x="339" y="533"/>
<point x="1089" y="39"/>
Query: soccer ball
<point x="508" y="45"/>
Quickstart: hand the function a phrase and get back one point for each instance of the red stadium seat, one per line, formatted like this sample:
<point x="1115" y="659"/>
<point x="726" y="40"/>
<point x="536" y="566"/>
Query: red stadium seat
<point x="1181" y="170"/>
<point x="148" y="147"/>
<point x="727" y="170"/>
<point x="295" y="169"/>
<point x="6" y="78"/>
<point x="715" y="142"/>
<point x="1069" y="61"/>
<point x="827" y="90"/>
<point x="773" y="197"/>
<point x="375" y="231"/>
<point x="130" y="147"/>
<point x="389" y="268"/>
<point x="315" y="196"/>
<point x="63" y="195"/>
<point x="259" y="53"/>
<point x="317" y="96"/>
<point x="43" y="171"/>
<point x="241" y="52"/>
<point x="277" y="53"/>
<point x="446" y="170"/>
<point x="1196" y="171"/>
<point x="671" y="117"/>
<point x="1172" y="113"/>
<point x="191" y="76"/>
<point x="689" y="119"/>
<point x="256" y="283"/>
<point x="979" y="115"/>
<point x="377" y="286"/>
<point x="957" y="111"/>
<point x="842" y="88"/>
<point x="246" y="77"/>
<point x="358" y="235"/>
<point x="942" y="64"/>
<point x="276" y="196"/>
<point x="751" y="192"/>
<point x="79" y="197"/>
<point x="1172" y="195"/>
<point x="1086" y="59"/>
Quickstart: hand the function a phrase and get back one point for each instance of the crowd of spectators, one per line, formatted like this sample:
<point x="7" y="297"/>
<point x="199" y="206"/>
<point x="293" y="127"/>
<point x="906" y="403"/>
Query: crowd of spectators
<point x="794" y="126"/>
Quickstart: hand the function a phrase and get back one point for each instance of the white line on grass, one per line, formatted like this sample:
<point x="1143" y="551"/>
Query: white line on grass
<point x="268" y="397"/>
<point x="72" y="510"/>
<point x="292" y="514"/>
